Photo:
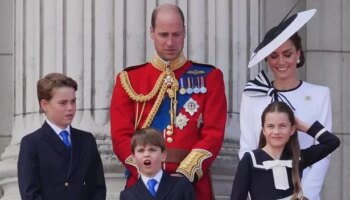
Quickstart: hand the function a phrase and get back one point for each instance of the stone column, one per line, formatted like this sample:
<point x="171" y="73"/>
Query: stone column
<point x="6" y="71"/>
<point x="71" y="37"/>
<point x="328" y="51"/>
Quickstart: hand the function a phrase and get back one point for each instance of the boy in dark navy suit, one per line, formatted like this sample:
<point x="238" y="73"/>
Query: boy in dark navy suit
<point x="148" y="148"/>
<point x="57" y="161"/>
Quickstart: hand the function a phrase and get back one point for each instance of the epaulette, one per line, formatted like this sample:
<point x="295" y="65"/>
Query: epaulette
<point x="135" y="66"/>
<point x="204" y="64"/>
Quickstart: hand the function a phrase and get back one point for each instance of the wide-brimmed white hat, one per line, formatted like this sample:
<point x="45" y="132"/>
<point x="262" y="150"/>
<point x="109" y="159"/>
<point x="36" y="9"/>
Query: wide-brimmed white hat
<point x="276" y="36"/>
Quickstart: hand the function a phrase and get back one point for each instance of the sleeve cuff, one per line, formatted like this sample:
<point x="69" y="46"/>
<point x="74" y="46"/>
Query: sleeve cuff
<point x="191" y="166"/>
<point x="316" y="130"/>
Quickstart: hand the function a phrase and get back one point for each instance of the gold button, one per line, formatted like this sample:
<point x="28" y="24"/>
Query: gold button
<point x="169" y="133"/>
<point x="169" y="139"/>
<point x="66" y="184"/>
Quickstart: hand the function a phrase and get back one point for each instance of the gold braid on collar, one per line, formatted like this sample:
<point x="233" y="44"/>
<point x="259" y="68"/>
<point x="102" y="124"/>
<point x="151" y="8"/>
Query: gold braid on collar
<point x="161" y="64"/>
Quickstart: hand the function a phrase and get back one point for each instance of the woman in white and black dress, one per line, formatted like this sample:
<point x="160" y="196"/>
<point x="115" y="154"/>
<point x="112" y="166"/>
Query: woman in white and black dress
<point x="274" y="170"/>
<point x="282" y="50"/>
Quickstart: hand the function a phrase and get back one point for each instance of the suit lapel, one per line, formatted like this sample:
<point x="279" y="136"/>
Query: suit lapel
<point x="75" y="151"/>
<point x="54" y="141"/>
<point x="141" y="191"/>
<point x="165" y="186"/>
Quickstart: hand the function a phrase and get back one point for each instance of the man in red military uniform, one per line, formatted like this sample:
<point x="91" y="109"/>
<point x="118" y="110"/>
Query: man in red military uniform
<point x="184" y="100"/>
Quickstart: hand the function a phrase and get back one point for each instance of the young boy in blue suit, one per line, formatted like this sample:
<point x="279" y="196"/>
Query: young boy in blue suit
<point x="57" y="161"/>
<point x="148" y="148"/>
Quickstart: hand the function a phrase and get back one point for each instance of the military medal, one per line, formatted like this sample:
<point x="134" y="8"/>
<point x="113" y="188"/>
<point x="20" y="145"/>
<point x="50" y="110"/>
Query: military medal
<point x="181" y="121"/>
<point x="195" y="72"/>
<point x="189" y="87"/>
<point x="203" y="88"/>
<point x="196" y="89"/>
<point x="182" y="89"/>
<point x="168" y="80"/>
<point x="191" y="106"/>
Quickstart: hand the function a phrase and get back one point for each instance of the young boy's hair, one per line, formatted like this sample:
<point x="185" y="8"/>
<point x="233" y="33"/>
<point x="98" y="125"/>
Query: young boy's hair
<point x="53" y="80"/>
<point x="147" y="136"/>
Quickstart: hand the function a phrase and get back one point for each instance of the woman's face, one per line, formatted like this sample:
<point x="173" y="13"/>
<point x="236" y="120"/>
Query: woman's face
<point x="283" y="61"/>
<point x="277" y="129"/>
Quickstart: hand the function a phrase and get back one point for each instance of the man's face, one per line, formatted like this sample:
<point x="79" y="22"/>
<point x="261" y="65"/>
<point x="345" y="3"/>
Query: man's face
<point x="168" y="35"/>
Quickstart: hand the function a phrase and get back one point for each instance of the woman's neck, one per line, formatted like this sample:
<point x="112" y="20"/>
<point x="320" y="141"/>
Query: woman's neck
<point x="274" y="152"/>
<point x="285" y="84"/>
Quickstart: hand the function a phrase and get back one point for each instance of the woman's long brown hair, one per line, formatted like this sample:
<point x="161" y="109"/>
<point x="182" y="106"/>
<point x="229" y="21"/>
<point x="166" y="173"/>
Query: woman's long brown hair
<point x="291" y="148"/>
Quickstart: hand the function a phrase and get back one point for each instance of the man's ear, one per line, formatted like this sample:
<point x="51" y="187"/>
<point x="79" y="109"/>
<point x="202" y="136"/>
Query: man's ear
<point x="185" y="31"/>
<point x="151" y="31"/>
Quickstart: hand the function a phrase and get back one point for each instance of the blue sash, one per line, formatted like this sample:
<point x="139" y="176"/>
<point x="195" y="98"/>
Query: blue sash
<point x="162" y="118"/>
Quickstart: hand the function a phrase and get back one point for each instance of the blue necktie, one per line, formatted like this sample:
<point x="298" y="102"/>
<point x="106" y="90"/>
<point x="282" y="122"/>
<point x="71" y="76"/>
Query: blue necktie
<point x="64" y="134"/>
<point x="151" y="183"/>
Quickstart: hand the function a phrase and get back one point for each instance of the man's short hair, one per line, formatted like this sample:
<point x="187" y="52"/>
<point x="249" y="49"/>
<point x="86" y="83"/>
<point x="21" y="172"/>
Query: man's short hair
<point x="156" y="10"/>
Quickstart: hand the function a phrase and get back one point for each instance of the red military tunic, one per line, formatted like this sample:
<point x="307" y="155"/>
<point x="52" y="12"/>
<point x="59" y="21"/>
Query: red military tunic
<point x="198" y="135"/>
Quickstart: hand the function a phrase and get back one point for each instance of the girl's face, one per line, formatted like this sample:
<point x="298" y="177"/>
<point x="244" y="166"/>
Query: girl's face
<point x="277" y="129"/>
<point x="283" y="61"/>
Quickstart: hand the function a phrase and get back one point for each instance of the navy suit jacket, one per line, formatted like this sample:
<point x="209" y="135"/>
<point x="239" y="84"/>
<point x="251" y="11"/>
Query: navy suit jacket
<point x="170" y="188"/>
<point x="47" y="170"/>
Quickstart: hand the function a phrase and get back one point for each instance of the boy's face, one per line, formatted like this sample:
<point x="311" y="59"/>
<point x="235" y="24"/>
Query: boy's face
<point x="149" y="159"/>
<point x="60" y="110"/>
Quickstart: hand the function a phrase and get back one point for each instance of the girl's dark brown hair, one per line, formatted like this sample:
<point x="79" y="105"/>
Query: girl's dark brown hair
<point x="292" y="147"/>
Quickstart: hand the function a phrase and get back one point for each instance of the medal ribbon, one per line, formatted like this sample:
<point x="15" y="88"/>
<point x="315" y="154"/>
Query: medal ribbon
<point x="162" y="118"/>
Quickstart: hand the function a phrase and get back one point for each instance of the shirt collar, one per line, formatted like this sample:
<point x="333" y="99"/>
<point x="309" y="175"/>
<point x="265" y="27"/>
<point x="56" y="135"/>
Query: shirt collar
<point x="57" y="129"/>
<point x="157" y="177"/>
<point x="161" y="64"/>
